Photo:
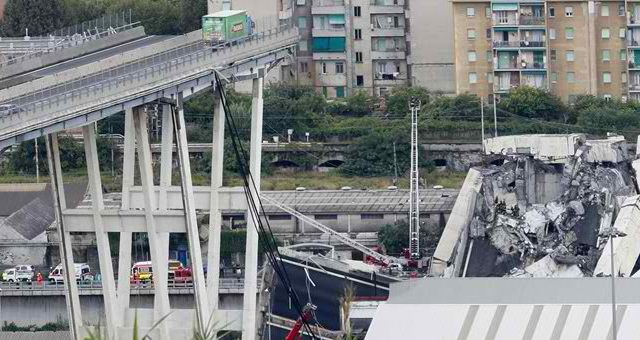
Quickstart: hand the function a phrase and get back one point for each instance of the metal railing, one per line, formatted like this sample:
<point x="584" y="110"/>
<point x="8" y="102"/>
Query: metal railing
<point x="225" y="283"/>
<point x="178" y="61"/>
<point x="71" y="36"/>
<point x="498" y="44"/>
<point x="531" y="21"/>
<point x="327" y="3"/>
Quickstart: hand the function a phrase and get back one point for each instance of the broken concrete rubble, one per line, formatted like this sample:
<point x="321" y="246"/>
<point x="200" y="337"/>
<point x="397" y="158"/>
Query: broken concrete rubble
<point x="540" y="206"/>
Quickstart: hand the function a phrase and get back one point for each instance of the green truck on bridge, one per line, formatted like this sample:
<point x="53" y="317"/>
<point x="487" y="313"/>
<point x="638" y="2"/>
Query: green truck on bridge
<point x="225" y="26"/>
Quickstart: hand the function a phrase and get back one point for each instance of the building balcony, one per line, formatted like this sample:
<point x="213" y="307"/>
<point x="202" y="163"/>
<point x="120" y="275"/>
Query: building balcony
<point x="327" y="7"/>
<point x="533" y="66"/>
<point x="390" y="79"/>
<point x="634" y="87"/>
<point x="329" y="32"/>
<point x="329" y="56"/>
<point x="506" y="44"/>
<point x="389" y="54"/>
<point x="531" y="21"/>
<point x="386" y="7"/>
<point x="633" y="65"/>
<point x="633" y="44"/>
<point x="532" y="44"/>
<point x="388" y="32"/>
<point x="633" y="20"/>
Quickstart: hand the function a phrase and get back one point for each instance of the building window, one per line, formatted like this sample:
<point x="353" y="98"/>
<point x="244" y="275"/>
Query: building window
<point x="339" y="67"/>
<point x="490" y="77"/>
<point x="371" y="216"/>
<point x="606" y="77"/>
<point x="606" y="33"/>
<point x="359" y="80"/>
<point x="622" y="33"/>
<point x="471" y="56"/>
<point x="473" y="77"/>
<point x="279" y="217"/>
<point x="488" y="33"/>
<point x="623" y="77"/>
<point x="606" y="55"/>
<point x="552" y="12"/>
<point x="325" y="217"/>
<point x="302" y="22"/>
<point x="607" y="97"/>
<point x="358" y="57"/>
<point x="571" y="77"/>
<point x="304" y="67"/>
<point x="300" y="2"/>
<point x="357" y="11"/>
<point x="569" y="33"/>
<point x="552" y="33"/>
<point x="487" y="12"/>
<point x="489" y="56"/>
<point x="621" y="10"/>
<point x="554" y="77"/>
<point x="323" y="66"/>
<point x="358" y="34"/>
<point x="303" y="45"/>
<point x="623" y="54"/>
<point x="553" y="55"/>
<point x="568" y="11"/>
<point x="604" y="10"/>
<point x="340" y="91"/>
<point x="570" y="56"/>
<point x="471" y="34"/>
<point x="471" y="12"/>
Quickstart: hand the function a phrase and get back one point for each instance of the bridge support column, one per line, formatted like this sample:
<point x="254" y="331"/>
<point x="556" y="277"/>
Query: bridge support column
<point x="65" y="247"/>
<point x="161" y="302"/>
<point x="193" y="235"/>
<point x="249" y="327"/>
<point x="215" y="216"/>
<point x="102" y="239"/>
<point x="166" y="167"/>
<point x="124" y="253"/>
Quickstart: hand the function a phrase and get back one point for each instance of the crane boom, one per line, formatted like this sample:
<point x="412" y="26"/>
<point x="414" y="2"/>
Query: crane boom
<point x="414" y="196"/>
<point x="346" y="240"/>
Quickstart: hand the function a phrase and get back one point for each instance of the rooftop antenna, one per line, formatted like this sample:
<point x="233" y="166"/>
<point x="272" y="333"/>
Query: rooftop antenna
<point x="414" y="197"/>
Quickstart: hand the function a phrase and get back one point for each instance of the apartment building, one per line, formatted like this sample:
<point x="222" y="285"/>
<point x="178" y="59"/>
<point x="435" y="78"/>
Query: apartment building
<point x="569" y="47"/>
<point x="363" y="45"/>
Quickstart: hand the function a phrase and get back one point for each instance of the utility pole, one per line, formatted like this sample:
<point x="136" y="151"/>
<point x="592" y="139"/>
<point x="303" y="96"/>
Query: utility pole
<point x="395" y="165"/>
<point x="37" y="162"/>
<point x="414" y="197"/>
<point x="482" y="120"/>
<point x="495" y="117"/>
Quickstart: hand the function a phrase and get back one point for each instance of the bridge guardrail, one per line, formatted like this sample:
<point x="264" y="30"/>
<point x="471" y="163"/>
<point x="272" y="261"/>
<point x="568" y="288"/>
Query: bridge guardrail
<point x="166" y="65"/>
<point x="69" y="37"/>
<point x="225" y="283"/>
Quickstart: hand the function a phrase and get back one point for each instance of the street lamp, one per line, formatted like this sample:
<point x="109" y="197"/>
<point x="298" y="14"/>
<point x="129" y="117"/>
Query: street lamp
<point x="612" y="233"/>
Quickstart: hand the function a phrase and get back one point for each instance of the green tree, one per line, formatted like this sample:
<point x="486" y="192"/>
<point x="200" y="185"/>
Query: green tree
<point x="398" y="100"/>
<point x="292" y="107"/>
<point x="395" y="237"/>
<point x="534" y="103"/>
<point x="464" y="106"/>
<point x="38" y="16"/>
<point x="157" y="16"/>
<point x="359" y="104"/>
<point x="373" y="154"/>
<point x="603" y="119"/>
<point x="191" y="14"/>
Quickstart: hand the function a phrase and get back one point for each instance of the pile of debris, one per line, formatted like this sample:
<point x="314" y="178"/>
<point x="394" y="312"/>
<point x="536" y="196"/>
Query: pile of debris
<point x="544" y="208"/>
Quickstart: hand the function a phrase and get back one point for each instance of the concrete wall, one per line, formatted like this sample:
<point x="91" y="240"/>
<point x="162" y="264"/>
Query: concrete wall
<point x="71" y="52"/>
<point x="432" y="56"/>
<point x="38" y="310"/>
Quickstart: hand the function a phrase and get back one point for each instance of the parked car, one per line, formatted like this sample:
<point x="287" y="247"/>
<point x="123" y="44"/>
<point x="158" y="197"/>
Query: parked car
<point x="21" y="273"/>
<point x="83" y="273"/>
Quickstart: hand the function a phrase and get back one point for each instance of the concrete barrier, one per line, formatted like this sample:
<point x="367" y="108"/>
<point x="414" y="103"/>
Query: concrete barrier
<point x="113" y="61"/>
<point x="71" y="52"/>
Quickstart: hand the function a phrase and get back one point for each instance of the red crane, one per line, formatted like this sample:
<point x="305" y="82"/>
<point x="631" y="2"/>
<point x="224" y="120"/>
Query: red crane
<point x="307" y="315"/>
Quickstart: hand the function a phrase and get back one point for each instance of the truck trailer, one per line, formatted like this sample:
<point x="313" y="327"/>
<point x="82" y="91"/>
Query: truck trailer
<point x="225" y="26"/>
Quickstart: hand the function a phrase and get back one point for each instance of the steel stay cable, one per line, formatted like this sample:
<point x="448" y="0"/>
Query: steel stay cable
<point x="267" y="239"/>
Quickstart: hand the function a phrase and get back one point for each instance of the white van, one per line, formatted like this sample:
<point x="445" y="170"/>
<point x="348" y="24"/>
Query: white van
<point x="21" y="273"/>
<point x="83" y="273"/>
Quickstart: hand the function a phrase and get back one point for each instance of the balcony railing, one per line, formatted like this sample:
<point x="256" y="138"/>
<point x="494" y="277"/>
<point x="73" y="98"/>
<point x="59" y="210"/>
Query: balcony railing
<point x="533" y="66"/>
<point x="386" y="3"/>
<point x="634" y="87"/>
<point x="497" y="44"/>
<point x="633" y="43"/>
<point x="526" y="43"/>
<point x="327" y="3"/>
<point x="505" y="22"/>
<point x="531" y="21"/>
